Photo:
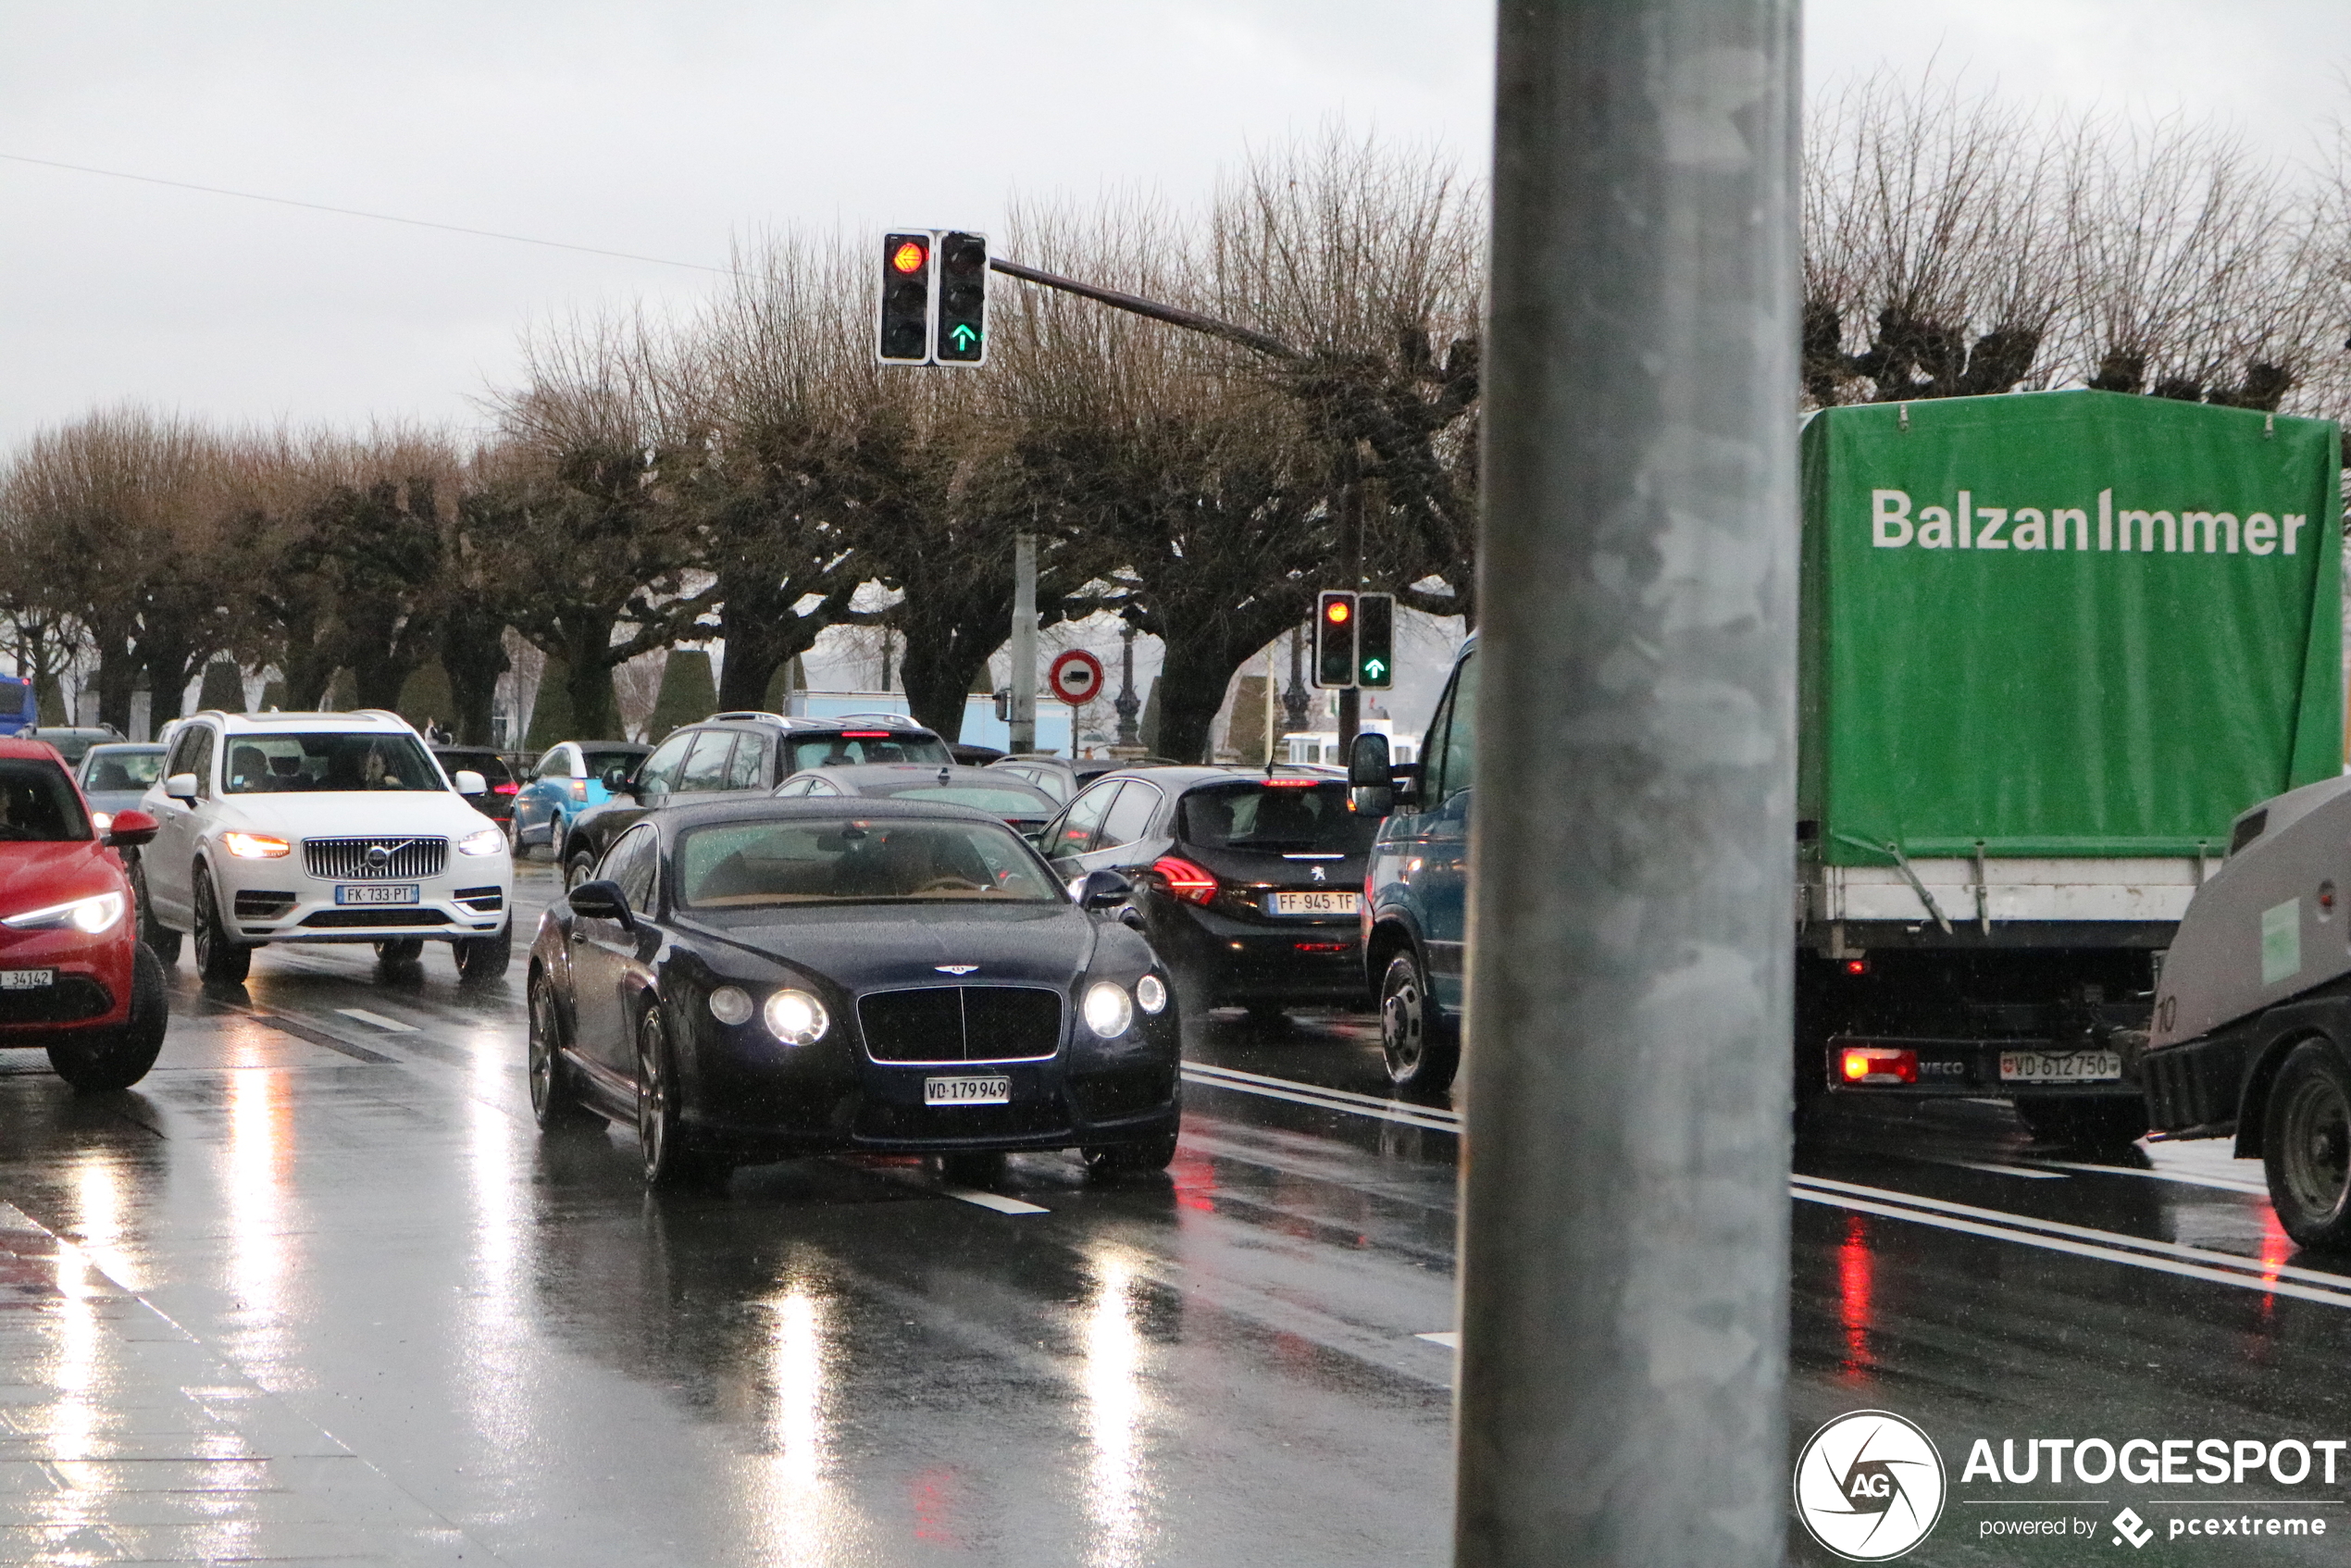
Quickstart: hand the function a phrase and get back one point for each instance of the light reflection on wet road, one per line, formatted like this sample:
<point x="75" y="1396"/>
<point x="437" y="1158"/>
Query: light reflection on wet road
<point x="318" y="1288"/>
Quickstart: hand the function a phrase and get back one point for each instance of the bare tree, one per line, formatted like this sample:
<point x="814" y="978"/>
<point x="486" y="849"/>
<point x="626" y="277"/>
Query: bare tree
<point x="1932" y="245"/>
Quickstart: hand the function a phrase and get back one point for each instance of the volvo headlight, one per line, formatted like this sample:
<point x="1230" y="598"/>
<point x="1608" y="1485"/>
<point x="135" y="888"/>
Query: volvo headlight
<point x="482" y="841"/>
<point x="1150" y="994"/>
<point x="1108" y="1012"/>
<point x="98" y="912"/>
<point x="730" y="1004"/>
<point x="255" y="846"/>
<point x="797" y="1019"/>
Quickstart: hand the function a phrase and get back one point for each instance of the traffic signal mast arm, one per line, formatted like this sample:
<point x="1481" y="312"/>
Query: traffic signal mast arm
<point x="1174" y="316"/>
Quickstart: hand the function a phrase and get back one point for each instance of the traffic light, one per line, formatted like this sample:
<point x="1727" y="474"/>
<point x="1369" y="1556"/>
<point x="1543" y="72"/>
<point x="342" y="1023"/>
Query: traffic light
<point x="1375" y="641"/>
<point x="902" y="334"/>
<point x="1334" y="640"/>
<point x="962" y="299"/>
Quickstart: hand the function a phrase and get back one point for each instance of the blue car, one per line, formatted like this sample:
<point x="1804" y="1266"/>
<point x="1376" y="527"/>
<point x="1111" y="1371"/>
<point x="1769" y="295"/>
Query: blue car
<point x="568" y="781"/>
<point x="1416" y="913"/>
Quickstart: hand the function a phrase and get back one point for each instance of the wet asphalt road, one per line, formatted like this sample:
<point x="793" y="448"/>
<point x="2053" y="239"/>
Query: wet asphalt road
<point x="317" y="1290"/>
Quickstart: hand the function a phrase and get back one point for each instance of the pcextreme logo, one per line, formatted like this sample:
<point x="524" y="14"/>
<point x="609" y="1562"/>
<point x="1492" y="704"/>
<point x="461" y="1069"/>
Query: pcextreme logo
<point x="1868" y="1486"/>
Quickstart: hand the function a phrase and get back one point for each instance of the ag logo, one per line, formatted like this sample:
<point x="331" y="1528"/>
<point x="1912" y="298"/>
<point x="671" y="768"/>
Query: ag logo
<point x="1868" y="1486"/>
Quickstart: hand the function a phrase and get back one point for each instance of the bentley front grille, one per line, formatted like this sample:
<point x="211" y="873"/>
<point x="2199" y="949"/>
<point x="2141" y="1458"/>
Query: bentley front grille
<point x="962" y="1024"/>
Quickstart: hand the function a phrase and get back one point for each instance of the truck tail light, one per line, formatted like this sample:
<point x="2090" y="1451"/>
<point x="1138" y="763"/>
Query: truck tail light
<point x="1877" y="1065"/>
<point x="1190" y="883"/>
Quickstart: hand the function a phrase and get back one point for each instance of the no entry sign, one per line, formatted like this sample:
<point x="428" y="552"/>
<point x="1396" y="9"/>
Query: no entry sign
<point x="1076" y="677"/>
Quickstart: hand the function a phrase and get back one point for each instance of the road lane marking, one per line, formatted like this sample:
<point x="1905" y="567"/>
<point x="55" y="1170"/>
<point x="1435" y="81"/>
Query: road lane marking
<point x="2165" y="1257"/>
<point x="2185" y="1179"/>
<point x="2027" y="1172"/>
<point x="995" y="1201"/>
<point x="389" y="1026"/>
<point x="2208" y="1274"/>
<point x="1450" y="1338"/>
<point x="1430" y="1118"/>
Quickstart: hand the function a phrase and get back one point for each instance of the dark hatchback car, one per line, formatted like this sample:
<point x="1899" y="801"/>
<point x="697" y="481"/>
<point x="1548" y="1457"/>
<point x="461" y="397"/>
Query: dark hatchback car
<point x="1023" y="806"/>
<point x="738" y="752"/>
<point x="1247" y="882"/>
<point x="758" y="979"/>
<point x="496" y="802"/>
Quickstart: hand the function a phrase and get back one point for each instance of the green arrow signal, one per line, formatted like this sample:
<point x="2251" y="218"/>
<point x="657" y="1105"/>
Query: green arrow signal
<point x="1374" y="668"/>
<point x="964" y="336"/>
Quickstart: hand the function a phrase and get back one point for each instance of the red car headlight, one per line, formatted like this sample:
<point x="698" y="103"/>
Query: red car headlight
<point x="93" y="915"/>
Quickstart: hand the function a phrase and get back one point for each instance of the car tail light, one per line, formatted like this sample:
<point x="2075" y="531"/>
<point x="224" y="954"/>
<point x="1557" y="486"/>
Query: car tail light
<point x="1293" y="783"/>
<point x="1857" y="965"/>
<point x="1320" y="947"/>
<point x="1193" y="884"/>
<point x="504" y="789"/>
<point x="580" y="790"/>
<point x="1877" y="1065"/>
<point x="866" y="735"/>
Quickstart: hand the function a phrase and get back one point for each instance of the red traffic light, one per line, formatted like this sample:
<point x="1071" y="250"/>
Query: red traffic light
<point x="1336" y="611"/>
<point x="909" y="257"/>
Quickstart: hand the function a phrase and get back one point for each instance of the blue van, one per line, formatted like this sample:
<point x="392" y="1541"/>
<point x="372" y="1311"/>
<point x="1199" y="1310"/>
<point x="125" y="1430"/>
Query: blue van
<point x="19" y="708"/>
<point x="1415" y="905"/>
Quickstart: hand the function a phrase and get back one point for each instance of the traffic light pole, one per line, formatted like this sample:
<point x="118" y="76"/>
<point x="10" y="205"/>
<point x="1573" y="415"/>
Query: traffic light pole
<point x="1022" y="709"/>
<point x="1625" y="1219"/>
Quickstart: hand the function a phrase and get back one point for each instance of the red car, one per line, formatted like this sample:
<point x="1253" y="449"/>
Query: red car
<point x="74" y="976"/>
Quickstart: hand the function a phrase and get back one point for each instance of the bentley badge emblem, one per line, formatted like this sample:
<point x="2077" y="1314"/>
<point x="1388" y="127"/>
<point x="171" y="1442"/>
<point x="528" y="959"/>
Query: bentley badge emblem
<point x="955" y="968"/>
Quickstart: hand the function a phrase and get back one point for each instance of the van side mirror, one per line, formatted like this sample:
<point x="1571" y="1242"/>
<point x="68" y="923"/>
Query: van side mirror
<point x="1370" y="790"/>
<point x="181" y="786"/>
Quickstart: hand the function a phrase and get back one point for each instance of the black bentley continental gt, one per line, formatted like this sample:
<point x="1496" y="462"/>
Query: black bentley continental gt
<point x="759" y="980"/>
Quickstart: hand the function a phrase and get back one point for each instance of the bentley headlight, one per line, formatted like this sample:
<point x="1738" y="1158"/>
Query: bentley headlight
<point x="1150" y="994"/>
<point x="1107" y="1009"/>
<point x="730" y="1004"/>
<point x="482" y="841"/>
<point x="98" y="912"/>
<point x="796" y="1018"/>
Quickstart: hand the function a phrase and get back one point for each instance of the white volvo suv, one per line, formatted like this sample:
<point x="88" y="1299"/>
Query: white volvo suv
<point x="319" y="827"/>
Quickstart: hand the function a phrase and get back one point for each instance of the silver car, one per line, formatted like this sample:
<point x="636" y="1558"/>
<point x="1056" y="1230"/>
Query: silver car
<point x="114" y="775"/>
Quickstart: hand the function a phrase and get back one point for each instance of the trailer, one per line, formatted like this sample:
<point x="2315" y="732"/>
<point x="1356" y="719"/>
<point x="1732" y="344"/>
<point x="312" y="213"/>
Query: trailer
<point x="2053" y="645"/>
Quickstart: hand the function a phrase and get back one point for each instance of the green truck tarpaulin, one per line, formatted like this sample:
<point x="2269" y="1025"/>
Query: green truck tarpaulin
<point x="2072" y="623"/>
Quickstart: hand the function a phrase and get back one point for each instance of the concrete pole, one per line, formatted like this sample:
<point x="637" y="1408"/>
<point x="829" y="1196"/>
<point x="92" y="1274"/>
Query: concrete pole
<point x="1023" y="708"/>
<point x="1624" y="1218"/>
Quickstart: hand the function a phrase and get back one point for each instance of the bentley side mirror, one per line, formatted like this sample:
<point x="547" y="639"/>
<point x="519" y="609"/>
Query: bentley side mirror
<point x="468" y="782"/>
<point x="181" y="786"/>
<point x="603" y="901"/>
<point x="1104" y="889"/>
<point x="129" y="830"/>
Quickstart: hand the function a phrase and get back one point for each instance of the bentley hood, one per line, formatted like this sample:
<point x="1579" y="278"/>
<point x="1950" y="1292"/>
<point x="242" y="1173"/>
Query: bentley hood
<point x="860" y="947"/>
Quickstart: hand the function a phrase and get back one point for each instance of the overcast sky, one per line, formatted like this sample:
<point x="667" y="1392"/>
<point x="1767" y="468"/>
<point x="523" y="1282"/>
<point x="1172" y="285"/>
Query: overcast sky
<point x="667" y="128"/>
